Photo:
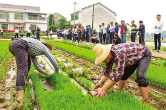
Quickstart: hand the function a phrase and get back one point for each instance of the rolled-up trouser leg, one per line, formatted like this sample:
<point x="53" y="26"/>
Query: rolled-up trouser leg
<point x="143" y="65"/>
<point x="23" y="62"/>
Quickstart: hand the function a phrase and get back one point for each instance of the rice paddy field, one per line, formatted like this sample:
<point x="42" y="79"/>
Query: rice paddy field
<point x="69" y="90"/>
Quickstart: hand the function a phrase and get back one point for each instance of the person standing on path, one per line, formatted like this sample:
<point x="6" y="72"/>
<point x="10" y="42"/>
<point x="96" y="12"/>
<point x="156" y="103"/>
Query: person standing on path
<point x="29" y="32"/>
<point x="47" y="33"/>
<point x="157" y="32"/>
<point x="16" y="31"/>
<point x="141" y="33"/>
<point x="57" y="33"/>
<point x="104" y="32"/>
<point x="127" y="57"/>
<point x="83" y="33"/>
<point x="123" y="31"/>
<point x="70" y="34"/>
<point x="100" y="33"/>
<point x="51" y="33"/>
<point x="116" y="28"/>
<point x="90" y="33"/>
<point x="112" y="32"/>
<point x="133" y="33"/>
<point x="87" y="33"/>
<point x="108" y="35"/>
<point x="21" y="32"/>
<point x="25" y="50"/>
<point x="2" y="32"/>
<point x="38" y="33"/>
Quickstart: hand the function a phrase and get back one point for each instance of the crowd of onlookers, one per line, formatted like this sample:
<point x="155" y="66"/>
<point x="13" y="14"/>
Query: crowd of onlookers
<point x="35" y="33"/>
<point x="109" y="34"/>
<point x="106" y="35"/>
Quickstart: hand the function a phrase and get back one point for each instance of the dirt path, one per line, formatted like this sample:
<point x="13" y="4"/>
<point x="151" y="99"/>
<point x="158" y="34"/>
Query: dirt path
<point x="6" y="87"/>
<point x="95" y="73"/>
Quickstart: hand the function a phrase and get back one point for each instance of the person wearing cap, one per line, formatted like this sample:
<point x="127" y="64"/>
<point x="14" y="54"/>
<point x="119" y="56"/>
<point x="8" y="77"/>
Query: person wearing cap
<point x="123" y="31"/>
<point x="157" y="32"/>
<point x="116" y="28"/>
<point x="127" y="57"/>
<point x="25" y="50"/>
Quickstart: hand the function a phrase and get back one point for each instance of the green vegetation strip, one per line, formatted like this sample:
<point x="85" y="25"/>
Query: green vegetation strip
<point x="152" y="47"/>
<point x="66" y="96"/>
<point x="155" y="75"/>
<point x="5" y="57"/>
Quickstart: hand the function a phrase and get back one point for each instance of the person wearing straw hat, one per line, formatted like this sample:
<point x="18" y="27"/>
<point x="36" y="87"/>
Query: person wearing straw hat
<point x="25" y="50"/>
<point x="127" y="58"/>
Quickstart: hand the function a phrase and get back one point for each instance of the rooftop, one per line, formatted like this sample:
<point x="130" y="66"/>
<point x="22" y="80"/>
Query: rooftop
<point x="96" y="4"/>
<point x="20" y="7"/>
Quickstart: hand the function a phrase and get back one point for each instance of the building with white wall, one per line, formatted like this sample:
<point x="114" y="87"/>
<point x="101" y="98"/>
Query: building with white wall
<point x="102" y="14"/>
<point x="18" y="16"/>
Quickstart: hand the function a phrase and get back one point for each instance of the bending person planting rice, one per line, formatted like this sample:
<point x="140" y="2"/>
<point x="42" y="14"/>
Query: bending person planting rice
<point x="127" y="58"/>
<point x="23" y="49"/>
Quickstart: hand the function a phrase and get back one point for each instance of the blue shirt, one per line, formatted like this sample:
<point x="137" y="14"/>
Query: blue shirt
<point x="96" y="33"/>
<point x="90" y="31"/>
<point x="108" y="30"/>
<point x="112" y="28"/>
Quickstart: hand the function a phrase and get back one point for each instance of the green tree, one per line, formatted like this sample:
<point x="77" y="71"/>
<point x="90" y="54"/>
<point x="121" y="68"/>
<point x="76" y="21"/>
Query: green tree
<point x="53" y="27"/>
<point x="63" y="23"/>
<point x="51" y="20"/>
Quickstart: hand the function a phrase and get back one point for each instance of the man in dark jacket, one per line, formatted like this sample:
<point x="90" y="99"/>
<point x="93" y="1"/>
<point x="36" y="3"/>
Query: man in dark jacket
<point x="83" y="33"/>
<point x="38" y="33"/>
<point x="141" y="32"/>
<point x="117" y="40"/>
<point x="87" y="33"/>
<point x="108" y="35"/>
<point x="116" y="28"/>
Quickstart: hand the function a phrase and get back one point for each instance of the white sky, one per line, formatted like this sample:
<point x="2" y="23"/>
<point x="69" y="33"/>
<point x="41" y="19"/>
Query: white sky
<point x="127" y="10"/>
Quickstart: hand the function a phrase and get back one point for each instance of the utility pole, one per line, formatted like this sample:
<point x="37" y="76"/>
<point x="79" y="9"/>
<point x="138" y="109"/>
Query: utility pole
<point x="93" y="16"/>
<point x="52" y="22"/>
<point x="74" y="11"/>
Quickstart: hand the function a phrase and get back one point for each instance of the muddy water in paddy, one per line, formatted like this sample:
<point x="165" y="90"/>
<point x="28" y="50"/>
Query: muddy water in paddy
<point x="6" y="86"/>
<point x="95" y="72"/>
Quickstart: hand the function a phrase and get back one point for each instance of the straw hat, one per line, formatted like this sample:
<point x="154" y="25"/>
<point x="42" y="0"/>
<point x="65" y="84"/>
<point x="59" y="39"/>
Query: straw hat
<point x="48" y="45"/>
<point x="101" y="52"/>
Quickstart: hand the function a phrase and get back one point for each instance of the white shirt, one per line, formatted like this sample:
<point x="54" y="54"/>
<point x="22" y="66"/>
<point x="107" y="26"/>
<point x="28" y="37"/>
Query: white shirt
<point x="16" y="31"/>
<point x="29" y="31"/>
<point x="159" y="25"/>
<point x="1" y="30"/>
<point x="75" y="32"/>
<point x="67" y="31"/>
<point x="104" y="29"/>
<point x="112" y="28"/>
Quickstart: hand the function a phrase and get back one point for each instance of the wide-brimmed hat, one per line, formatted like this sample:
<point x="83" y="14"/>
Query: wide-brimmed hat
<point x="48" y="45"/>
<point x="101" y="52"/>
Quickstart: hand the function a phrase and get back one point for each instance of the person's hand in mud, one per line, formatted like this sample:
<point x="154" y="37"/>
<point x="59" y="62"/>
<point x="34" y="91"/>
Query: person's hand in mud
<point x="99" y="85"/>
<point x="47" y="73"/>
